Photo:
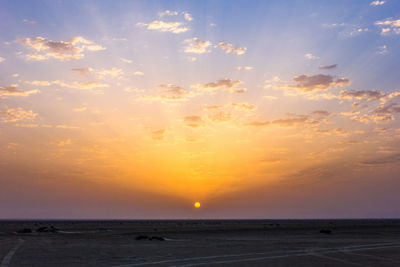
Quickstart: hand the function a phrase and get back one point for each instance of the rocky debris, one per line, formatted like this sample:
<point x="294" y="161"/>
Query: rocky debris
<point x="142" y="237"/>
<point x="159" y="238"/>
<point x="151" y="238"/>
<point x="326" y="231"/>
<point x="25" y="231"/>
<point x="46" y="229"/>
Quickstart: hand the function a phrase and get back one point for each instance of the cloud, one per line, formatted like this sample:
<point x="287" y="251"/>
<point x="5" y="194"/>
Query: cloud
<point x="82" y="71"/>
<point x="321" y="113"/>
<point x="229" y="48"/>
<point x="243" y="106"/>
<point x="126" y="60"/>
<point x="65" y="142"/>
<point x="158" y="134"/>
<point x="193" y="121"/>
<point x="76" y="85"/>
<point x="368" y="95"/>
<point x="305" y="83"/>
<point x="328" y="67"/>
<point x="13" y="91"/>
<point x="382" y="50"/>
<point x="170" y="93"/>
<point x="389" y="25"/>
<point x="163" y="26"/>
<point x="167" y="13"/>
<point x="294" y="121"/>
<point x="138" y="73"/>
<point x="61" y="50"/>
<point x="377" y="3"/>
<point x="81" y="109"/>
<point x="244" y="68"/>
<point x="382" y="114"/>
<point x="310" y="56"/>
<point x="113" y="72"/>
<point x="2" y="59"/>
<point x="196" y="46"/>
<point x="220" y="117"/>
<point x="188" y="16"/>
<point x="212" y="107"/>
<point x="17" y="115"/>
<point x="226" y="84"/>
<point x="29" y="21"/>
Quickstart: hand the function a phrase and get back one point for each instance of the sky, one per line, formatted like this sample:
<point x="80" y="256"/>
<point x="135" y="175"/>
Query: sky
<point x="256" y="109"/>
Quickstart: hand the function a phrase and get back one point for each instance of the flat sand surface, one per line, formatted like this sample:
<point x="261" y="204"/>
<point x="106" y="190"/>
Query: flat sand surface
<point x="201" y="243"/>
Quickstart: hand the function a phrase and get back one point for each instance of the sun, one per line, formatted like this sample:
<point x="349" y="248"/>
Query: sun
<point x="197" y="204"/>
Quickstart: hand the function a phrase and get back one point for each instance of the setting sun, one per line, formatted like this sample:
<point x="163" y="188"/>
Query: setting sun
<point x="197" y="204"/>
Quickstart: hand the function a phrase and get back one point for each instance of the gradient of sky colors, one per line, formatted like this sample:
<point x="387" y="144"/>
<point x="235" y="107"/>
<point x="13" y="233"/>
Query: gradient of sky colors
<point x="257" y="109"/>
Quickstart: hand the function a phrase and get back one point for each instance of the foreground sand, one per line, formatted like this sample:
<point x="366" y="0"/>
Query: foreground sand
<point x="196" y="243"/>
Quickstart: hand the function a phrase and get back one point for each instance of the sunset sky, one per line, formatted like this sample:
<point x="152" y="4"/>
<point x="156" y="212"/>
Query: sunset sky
<point x="256" y="109"/>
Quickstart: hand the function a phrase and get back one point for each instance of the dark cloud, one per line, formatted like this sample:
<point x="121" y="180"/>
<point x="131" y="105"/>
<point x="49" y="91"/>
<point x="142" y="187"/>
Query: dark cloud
<point x="368" y="95"/>
<point x="328" y="67"/>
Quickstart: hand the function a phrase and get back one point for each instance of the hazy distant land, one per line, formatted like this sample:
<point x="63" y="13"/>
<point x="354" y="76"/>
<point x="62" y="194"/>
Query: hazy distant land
<point x="200" y="242"/>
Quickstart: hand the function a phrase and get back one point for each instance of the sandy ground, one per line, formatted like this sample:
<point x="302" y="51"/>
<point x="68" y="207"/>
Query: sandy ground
<point x="201" y="243"/>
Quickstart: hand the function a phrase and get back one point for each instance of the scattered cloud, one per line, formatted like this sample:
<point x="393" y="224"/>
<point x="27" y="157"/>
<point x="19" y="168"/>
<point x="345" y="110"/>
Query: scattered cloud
<point x="167" y="13"/>
<point x="196" y="46"/>
<point x="305" y="83"/>
<point x="17" y="115"/>
<point x="60" y="50"/>
<point x="240" y="68"/>
<point x="163" y="26"/>
<point x="293" y="121"/>
<point x="226" y="84"/>
<point x="377" y="3"/>
<point x="368" y="95"/>
<point x="193" y="121"/>
<point x="12" y="90"/>
<point x="82" y="71"/>
<point x="188" y="16"/>
<point x="382" y="50"/>
<point x="65" y="142"/>
<point x="310" y="56"/>
<point x="389" y="26"/>
<point x="158" y="134"/>
<point x="29" y="21"/>
<point x="2" y="59"/>
<point x="76" y="85"/>
<point x="126" y="60"/>
<point x="212" y="107"/>
<point x="229" y="48"/>
<point x="243" y="106"/>
<point x="138" y="73"/>
<point x="220" y="117"/>
<point x="328" y="67"/>
<point x="169" y="93"/>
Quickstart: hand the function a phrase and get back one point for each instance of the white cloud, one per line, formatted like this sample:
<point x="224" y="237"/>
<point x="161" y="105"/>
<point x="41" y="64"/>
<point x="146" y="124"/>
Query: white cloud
<point x="196" y="46"/>
<point x="167" y="13"/>
<point x="310" y="56"/>
<point x="163" y="26"/>
<point x="382" y="50"/>
<point x="244" y="68"/>
<point x="188" y="16"/>
<point x="126" y="60"/>
<point x="377" y="3"/>
<point x="229" y="48"/>
<point x="389" y="25"/>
